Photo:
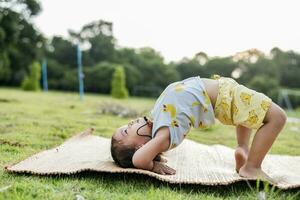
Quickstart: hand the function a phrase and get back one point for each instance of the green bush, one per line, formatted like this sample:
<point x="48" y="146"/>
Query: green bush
<point x="98" y="78"/>
<point x="118" y="85"/>
<point x="266" y="85"/>
<point x="5" y="70"/>
<point x="56" y="73"/>
<point x="70" y="80"/>
<point x="32" y="82"/>
<point x="294" y="98"/>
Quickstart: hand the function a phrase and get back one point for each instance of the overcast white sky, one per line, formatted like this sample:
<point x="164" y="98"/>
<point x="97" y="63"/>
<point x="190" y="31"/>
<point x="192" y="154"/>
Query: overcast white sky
<point x="181" y="28"/>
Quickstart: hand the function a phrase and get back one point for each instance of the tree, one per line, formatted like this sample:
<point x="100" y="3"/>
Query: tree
<point x="63" y="51"/>
<point x="118" y="87"/>
<point x="98" y="36"/>
<point x="188" y="68"/>
<point x="223" y="66"/>
<point x="153" y="71"/>
<point x="26" y="8"/>
<point x="4" y="67"/>
<point x="26" y="50"/>
<point x="262" y="67"/>
<point x="270" y="87"/>
<point x="98" y="77"/>
<point x="56" y="73"/>
<point x="32" y="82"/>
<point x="20" y="43"/>
<point x="102" y="48"/>
<point x="288" y="66"/>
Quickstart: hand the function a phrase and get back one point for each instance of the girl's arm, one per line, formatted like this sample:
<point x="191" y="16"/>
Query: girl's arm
<point x="143" y="157"/>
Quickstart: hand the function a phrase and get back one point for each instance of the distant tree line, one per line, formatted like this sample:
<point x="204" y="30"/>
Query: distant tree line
<point x="146" y="71"/>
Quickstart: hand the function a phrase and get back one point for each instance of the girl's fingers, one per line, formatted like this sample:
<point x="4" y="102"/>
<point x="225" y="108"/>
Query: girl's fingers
<point x="164" y="169"/>
<point x="169" y="170"/>
<point x="172" y="171"/>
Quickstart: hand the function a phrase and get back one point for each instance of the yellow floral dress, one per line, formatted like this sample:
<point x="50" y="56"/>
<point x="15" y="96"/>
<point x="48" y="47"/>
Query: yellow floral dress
<point x="239" y="105"/>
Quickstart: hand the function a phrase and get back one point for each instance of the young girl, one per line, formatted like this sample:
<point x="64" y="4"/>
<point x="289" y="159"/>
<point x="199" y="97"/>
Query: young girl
<point x="196" y="102"/>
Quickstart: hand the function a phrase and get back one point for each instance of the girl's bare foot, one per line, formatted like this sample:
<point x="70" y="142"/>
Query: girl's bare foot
<point x="254" y="173"/>
<point x="240" y="155"/>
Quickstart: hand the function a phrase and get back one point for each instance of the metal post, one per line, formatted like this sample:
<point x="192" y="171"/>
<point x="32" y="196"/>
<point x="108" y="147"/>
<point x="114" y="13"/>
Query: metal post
<point x="287" y="100"/>
<point x="80" y="73"/>
<point x="44" y="72"/>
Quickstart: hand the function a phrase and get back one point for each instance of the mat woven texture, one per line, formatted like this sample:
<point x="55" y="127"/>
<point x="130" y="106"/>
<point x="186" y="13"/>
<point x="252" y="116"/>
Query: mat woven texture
<point x="194" y="163"/>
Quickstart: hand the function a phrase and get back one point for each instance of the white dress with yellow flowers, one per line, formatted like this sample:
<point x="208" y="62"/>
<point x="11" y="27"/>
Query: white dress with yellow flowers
<point x="181" y="105"/>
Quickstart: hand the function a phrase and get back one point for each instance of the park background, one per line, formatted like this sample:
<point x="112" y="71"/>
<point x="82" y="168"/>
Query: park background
<point x="33" y="120"/>
<point x="146" y="70"/>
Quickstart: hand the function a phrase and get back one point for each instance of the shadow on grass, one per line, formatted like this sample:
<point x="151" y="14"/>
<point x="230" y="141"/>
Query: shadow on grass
<point x="4" y="100"/>
<point x="143" y="183"/>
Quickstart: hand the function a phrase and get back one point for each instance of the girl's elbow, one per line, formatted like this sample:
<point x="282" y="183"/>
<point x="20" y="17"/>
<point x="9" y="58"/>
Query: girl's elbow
<point x="140" y="163"/>
<point x="137" y="162"/>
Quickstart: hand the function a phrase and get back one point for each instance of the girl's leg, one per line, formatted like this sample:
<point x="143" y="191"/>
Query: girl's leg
<point x="241" y="152"/>
<point x="262" y="142"/>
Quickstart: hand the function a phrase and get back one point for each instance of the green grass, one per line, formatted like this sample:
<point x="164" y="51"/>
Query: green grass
<point x="31" y="122"/>
<point x="294" y="113"/>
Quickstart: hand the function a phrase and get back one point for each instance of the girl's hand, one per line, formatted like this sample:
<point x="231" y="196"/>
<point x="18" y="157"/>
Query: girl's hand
<point x="161" y="168"/>
<point x="163" y="160"/>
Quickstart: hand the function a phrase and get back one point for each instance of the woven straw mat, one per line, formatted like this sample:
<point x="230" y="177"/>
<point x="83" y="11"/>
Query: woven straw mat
<point x="194" y="163"/>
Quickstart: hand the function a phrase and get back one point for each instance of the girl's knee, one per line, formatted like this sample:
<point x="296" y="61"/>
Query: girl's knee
<point x="280" y="117"/>
<point x="276" y="115"/>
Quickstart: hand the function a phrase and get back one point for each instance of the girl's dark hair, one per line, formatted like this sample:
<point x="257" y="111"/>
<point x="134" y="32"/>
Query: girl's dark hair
<point x="122" y="154"/>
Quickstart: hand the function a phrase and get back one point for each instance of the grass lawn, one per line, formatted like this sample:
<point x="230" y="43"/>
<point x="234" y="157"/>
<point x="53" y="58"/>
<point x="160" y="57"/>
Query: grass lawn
<point x="294" y="113"/>
<point x="32" y="122"/>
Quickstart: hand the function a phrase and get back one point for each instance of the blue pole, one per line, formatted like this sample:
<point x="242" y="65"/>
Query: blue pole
<point x="80" y="74"/>
<point x="44" y="71"/>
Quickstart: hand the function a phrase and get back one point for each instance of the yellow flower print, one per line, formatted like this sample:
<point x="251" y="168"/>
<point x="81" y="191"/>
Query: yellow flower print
<point x="174" y="123"/>
<point x="192" y="120"/>
<point x="246" y="98"/>
<point x="206" y="97"/>
<point x="235" y="110"/>
<point x="216" y="76"/>
<point x="205" y="109"/>
<point x="196" y="103"/>
<point x="179" y="87"/>
<point x="265" y="105"/>
<point x="226" y="119"/>
<point x="252" y="118"/>
<point x="224" y="104"/>
<point x="170" y="108"/>
<point x="202" y="125"/>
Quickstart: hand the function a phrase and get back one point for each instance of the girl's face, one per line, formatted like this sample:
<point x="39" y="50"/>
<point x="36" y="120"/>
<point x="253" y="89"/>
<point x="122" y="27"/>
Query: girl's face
<point x="128" y="133"/>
